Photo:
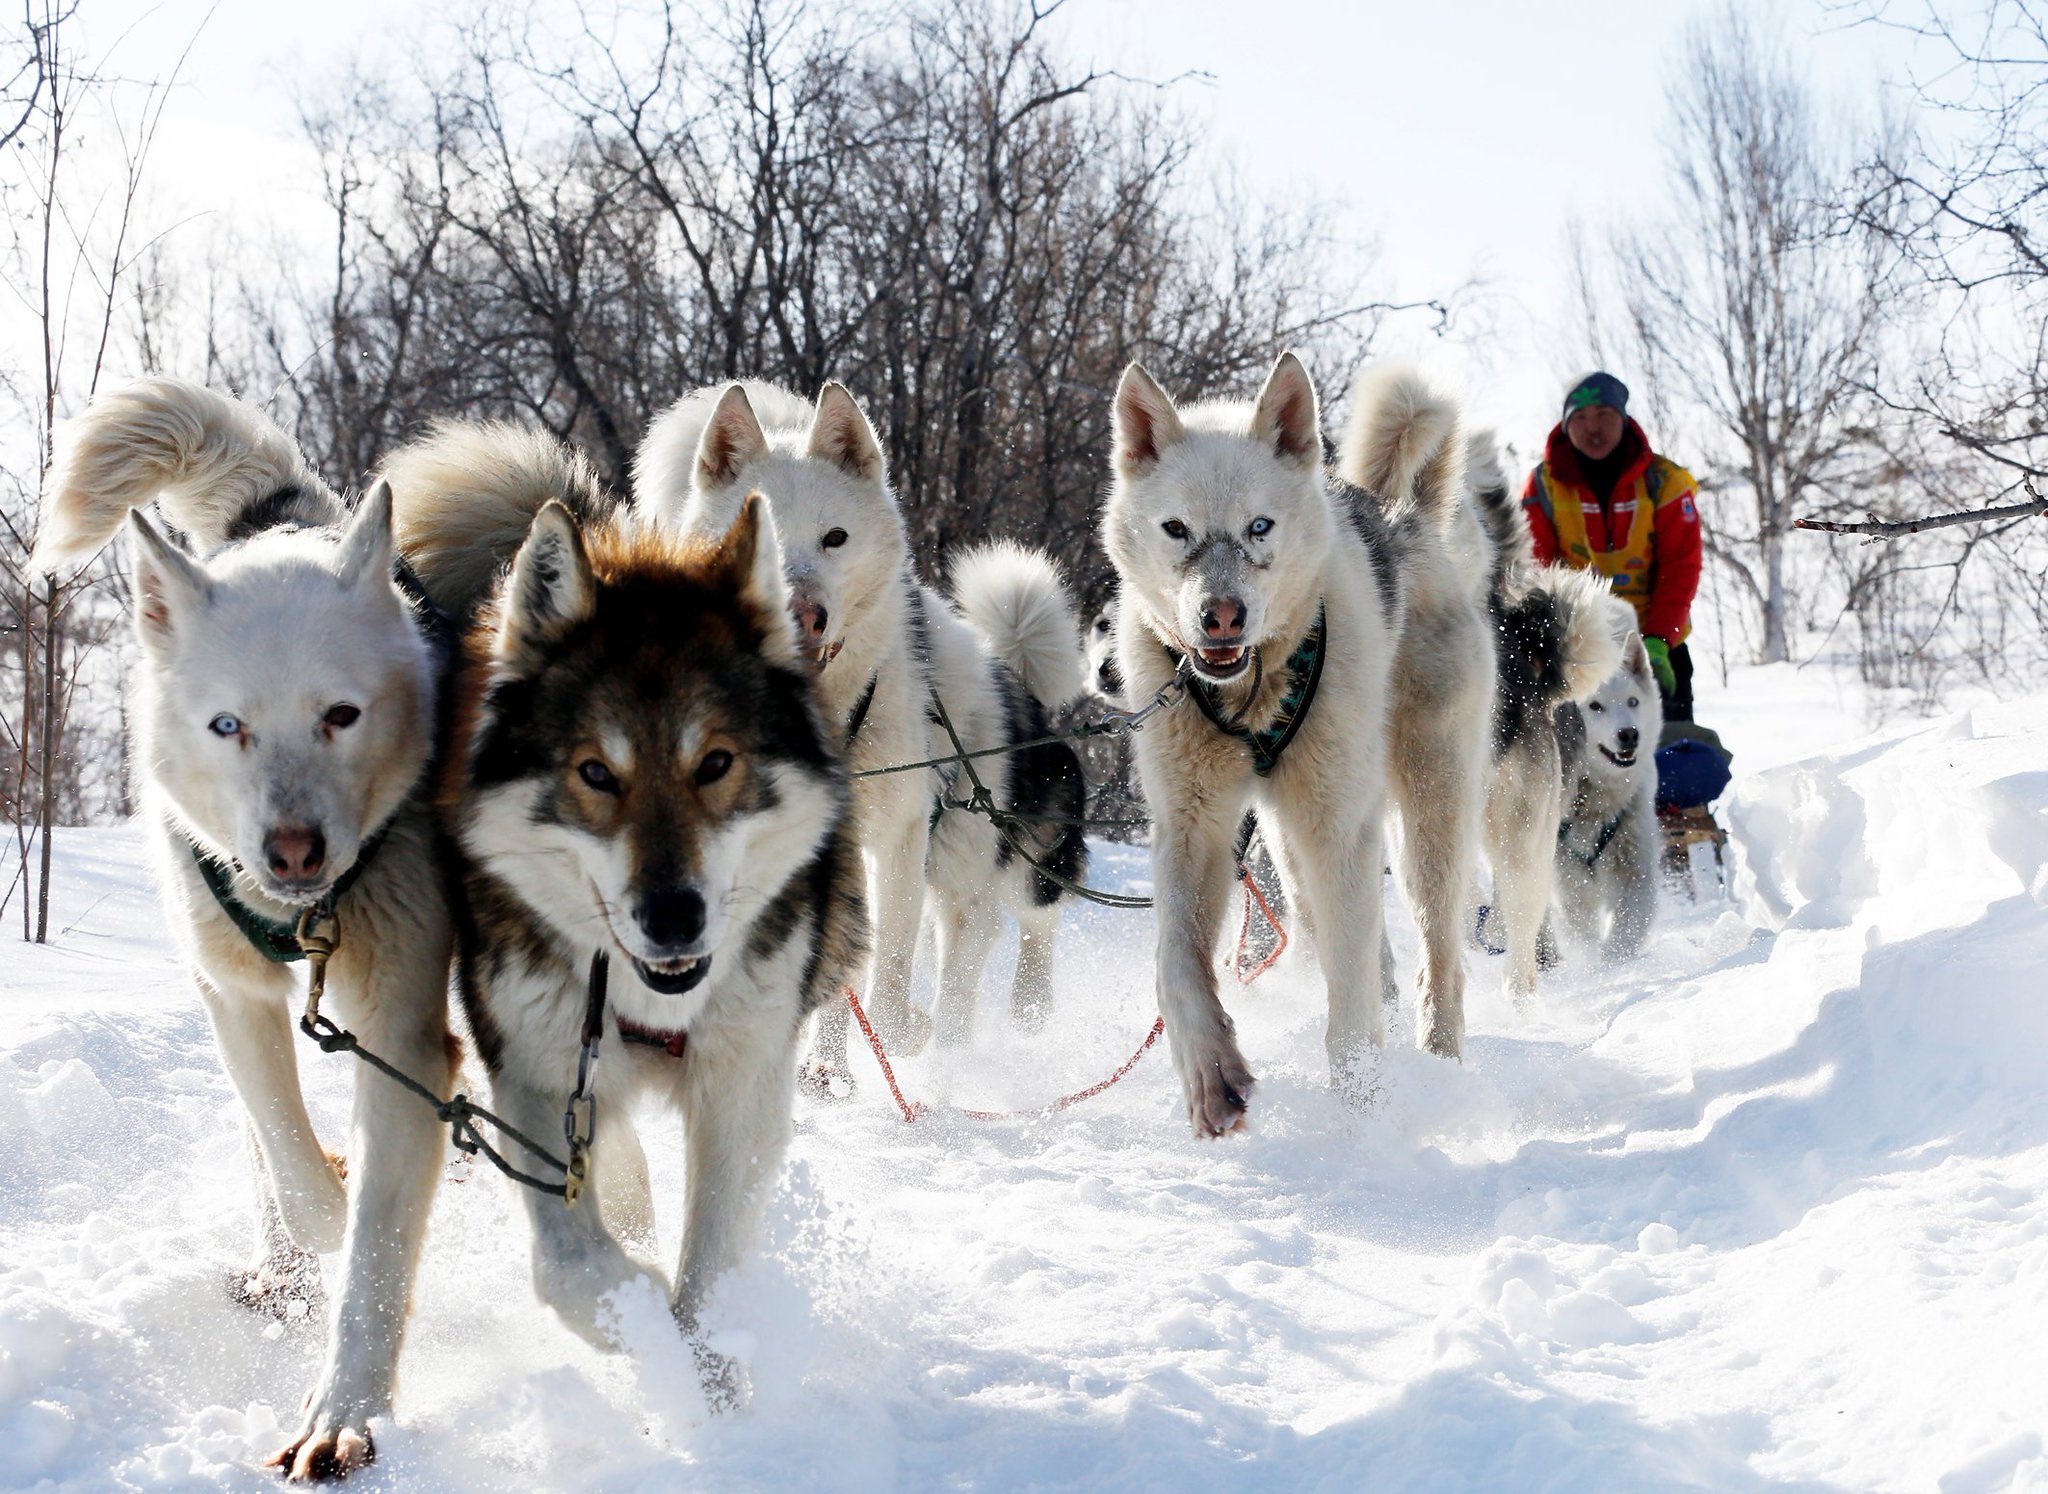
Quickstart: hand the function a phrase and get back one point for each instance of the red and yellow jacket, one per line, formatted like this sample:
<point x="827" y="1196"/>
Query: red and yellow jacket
<point x="1645" y="538"/>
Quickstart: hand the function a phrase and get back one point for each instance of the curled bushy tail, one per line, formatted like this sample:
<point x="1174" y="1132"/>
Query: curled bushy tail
<point x="1015" y="599"/>
<point x="464" y="495"/>
<point x="1507" y="532"/>
<point x="219" y="469"/>
<point x="1401" y="443"/>
<point x="1594" y="627"/>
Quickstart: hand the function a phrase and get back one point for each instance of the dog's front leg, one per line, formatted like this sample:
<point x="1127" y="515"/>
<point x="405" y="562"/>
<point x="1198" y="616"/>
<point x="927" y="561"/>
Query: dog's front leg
<point x="1437" y="774"/>
<point x="394" y="1162"/>
<point x="736" y="1113"/>
<point x="1343" y="883"/>
<point x="898" y="889"/>
<point x="1191" y="843"/>
<point x="254" y="1031"/>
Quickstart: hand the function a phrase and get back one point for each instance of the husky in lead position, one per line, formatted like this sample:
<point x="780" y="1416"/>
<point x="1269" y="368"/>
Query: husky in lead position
<point x="1558" y="634"/>
<point x="640" y="778"/>
<point x="890" y="653"/>
<point x="1284" y="596"/>
<point x="1608" y="844"/>
<point x="284" y="724"/>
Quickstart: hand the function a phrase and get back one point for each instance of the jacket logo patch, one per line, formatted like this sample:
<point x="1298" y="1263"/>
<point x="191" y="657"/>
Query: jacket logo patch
<point x="1685" y="507"/>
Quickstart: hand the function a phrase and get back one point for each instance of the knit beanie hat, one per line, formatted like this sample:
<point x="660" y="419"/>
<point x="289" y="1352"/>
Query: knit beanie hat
<point x="1596" y="389"/>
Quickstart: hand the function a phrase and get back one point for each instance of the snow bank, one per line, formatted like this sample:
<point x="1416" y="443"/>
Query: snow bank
<point x="1769" y="1205"/>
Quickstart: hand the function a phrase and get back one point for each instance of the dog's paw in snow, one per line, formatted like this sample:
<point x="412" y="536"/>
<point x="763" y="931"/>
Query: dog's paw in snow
<point x="1218" y="1085"/>
<point x="327" y="1446"/>
<point x="904" y="1030"/>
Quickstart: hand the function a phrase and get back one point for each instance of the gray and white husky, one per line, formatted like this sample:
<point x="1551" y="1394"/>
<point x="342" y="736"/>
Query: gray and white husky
<point x="1230" y="540"/>
<point x="284" y="724"/>
<point x="1609" y="843"/>
<point x="640" y="776"/>
<point x="886" y="647"/>
<point x="1558" y="634"/>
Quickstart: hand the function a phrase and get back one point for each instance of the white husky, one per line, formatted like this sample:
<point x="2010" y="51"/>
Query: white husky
<point x="286" y="718"/>
<point x="1240" y="561"/>
<point x="886" y="647"/>
<point x="1609" y="842"/>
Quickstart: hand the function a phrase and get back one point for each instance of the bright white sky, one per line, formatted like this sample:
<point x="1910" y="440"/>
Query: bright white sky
<point x="1463" y="136"/>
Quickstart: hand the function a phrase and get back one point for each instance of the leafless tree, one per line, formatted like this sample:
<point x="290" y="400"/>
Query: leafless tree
<point x="1746" y="303"/>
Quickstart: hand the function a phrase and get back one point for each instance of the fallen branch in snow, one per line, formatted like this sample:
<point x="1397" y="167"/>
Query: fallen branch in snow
<point x="1884" y="529"/>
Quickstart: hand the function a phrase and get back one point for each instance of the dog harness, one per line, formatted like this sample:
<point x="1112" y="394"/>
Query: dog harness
<point x="274" y="939"/>
<point x="1600" y="842"/>
<point x="1304" y="672"/>
<point x="861" y="707"/>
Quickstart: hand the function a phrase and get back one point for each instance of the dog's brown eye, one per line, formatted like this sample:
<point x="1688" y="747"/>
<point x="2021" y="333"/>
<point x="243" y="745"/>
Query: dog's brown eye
<point x="715" y="765"/>
<point x="343" y="715"/>
<point x="1595" y="706"/>
<point x="833" y="539"/>
<point x="594" y="773"/>
<point x="1175" y="529"/>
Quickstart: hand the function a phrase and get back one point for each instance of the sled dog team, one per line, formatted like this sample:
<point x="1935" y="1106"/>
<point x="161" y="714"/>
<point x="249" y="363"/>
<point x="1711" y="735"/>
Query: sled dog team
<point x="495" y="716"/>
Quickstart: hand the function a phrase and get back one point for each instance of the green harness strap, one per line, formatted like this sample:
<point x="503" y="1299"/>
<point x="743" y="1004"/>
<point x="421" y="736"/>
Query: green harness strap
<point x="275" y="940"/>
<point x="1600" y="843"/>
<point x="1304" y="671"/>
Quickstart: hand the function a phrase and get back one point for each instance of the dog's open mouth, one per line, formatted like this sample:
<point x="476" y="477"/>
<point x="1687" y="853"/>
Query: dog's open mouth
<point x="672" y="977"/>
<point x="1619" y="759"/>
<point x="1224" y="663"/>
<point x="827" y="652"/>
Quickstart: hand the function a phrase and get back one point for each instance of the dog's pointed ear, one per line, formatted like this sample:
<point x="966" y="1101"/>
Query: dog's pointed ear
<point x="366" y="543"/>
<point x="169" y="584"/>
<point x="1634" y="657"/>
<point x="732" y="438"/>
<point x="552" y="588"/>
<point x="1286" y="417"/>
<point x="749" y="566"/>
<point x="841" y="435"/>
<point x="1145" y="421"/>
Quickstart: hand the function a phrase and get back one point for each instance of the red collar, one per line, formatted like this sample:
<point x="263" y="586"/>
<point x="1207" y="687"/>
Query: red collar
<point x="673" y="1042"/>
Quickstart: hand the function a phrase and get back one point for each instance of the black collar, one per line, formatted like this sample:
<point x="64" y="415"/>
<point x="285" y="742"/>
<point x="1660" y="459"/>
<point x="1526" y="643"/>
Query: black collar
<point x="1304" y="673"/>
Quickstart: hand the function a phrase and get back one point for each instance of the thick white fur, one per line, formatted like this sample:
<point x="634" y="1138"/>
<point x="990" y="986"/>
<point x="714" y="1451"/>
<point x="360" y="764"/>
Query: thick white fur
<point x="1402" y="444"/>
<point x="1608" y="907"/>
<point x="274" y="631"/>
<point x="1213" y="469"/>
<point x="205" y="455"/>
<point x="1014" y="597"/>
<point x="824" y="474"/>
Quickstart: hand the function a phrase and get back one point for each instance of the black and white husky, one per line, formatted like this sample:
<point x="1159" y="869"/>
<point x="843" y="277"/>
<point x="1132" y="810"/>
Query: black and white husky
<point x="640" y="775"/>
<point x="285" y="721"/>
<point x="891" y="655"/>
<point x="1558" y="634"/>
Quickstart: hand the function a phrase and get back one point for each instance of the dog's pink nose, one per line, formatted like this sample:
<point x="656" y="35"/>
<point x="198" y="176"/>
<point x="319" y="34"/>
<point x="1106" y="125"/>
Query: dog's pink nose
<point x="295" y="853"/>
<point x="810" y="617"/>
<point x="1222" y="618"/>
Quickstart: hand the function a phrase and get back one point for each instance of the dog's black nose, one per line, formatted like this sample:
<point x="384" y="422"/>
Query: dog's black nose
<point x="672" y="916"/>
<point x="1222" y="618"/>
<point x="1109" y="679"/>
<point x="1627" y="738"/>
<point x="295" y="853"/>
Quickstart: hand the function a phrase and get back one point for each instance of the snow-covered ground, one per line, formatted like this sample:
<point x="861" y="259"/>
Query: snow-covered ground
<point x="1768" y="1206"/>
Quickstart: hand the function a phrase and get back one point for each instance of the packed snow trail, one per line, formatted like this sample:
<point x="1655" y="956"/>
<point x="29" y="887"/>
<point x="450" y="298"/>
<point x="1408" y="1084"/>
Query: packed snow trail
<point x="1767" y="1207"/>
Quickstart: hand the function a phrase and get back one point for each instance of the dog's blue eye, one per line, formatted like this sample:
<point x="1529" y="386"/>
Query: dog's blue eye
<point x="1632" y="702"/>
<point x="715" y="766"/>
<point x="598" y="776"/>
<point x="833" y="539"/>
<point x="225" y="725"/>
<point x="1261" y="527"/>
<point x="1175" y="529"/>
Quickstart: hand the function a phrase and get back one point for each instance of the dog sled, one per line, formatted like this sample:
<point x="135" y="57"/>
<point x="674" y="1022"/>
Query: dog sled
<point x="1692" y="770"/>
